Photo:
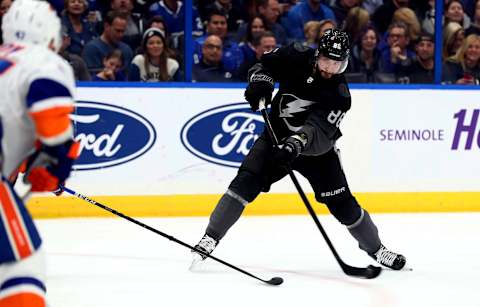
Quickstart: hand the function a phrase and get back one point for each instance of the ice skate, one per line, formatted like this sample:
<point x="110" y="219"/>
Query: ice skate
<point x="207" y="244"/>
<point x="388" y="258"/>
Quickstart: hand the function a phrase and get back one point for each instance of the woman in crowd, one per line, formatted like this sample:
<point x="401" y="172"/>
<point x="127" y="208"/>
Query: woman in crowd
<point x="453" y="36"/>
<point x="310" y="30"/>
<point x="455" y="12"/>
<point x="255" y="28"/>
<point x="79" y="26"/>
<point x="112" y="64"/>
<point x="155" y="64"/>
<point x="365" y="56"/>
<point x="355" y="22"/>
<point x="408" y="17"/>
<point x="464" y="66"/>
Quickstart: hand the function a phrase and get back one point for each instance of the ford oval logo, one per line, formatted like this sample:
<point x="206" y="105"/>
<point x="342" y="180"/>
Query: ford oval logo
<point x="222" y="135"/>
<point x="109" y="135"/>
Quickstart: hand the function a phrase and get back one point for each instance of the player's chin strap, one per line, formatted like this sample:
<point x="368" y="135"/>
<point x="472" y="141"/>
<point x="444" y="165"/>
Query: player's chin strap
<point x="368" y="272"/>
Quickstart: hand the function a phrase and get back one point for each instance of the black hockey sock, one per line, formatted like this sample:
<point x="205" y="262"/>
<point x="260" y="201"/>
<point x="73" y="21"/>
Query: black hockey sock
<point x="366" y="233"/>
<point x="226" y="213"/>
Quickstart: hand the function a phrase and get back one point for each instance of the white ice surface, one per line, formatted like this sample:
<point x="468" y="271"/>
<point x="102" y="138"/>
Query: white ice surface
<point x="112" y="262"/>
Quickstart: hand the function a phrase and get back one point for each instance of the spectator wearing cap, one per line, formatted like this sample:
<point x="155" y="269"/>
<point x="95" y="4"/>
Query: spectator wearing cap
<point x="80" y="29"/>
<point x="135" y="22"/>
<point x="303" y="12"/>
<point x="217" y="25"/>
<point x="154" y="64"/>
<point x="95" y="51"/>
<point x="173" y="12"/>
<point x="210" y="67"/>
<point x="464" y="66"/>
<point x="397" y="52"/>
<point x="421" y="69"/>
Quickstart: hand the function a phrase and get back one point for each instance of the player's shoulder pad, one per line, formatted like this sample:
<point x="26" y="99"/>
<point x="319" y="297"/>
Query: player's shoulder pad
<point x="299" y="47"/>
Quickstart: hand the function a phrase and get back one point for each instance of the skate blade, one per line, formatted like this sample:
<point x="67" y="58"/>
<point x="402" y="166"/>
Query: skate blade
<point x="197" y="263"/>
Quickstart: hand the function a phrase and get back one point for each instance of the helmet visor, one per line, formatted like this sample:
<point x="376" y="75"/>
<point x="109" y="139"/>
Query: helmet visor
<point x="331" y="66"/>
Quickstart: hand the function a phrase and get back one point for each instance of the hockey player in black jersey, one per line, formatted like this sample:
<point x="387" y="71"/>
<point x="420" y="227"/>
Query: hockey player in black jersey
<point x="306" y="112"/>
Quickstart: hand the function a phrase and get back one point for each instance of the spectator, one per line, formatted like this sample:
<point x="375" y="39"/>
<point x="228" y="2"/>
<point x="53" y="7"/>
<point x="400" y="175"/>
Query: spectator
<point x="303" y="12"/>
<point x="453" y="36"/>
<point x="371" y="5"/>
<point x="454" y="12"/>
<point x="269" y="11"/>
<point x="464" y="66"/>
<point x="4" y="6"/>
<point x="217" y="25"/>
<point x="428" y="18"/>
<point x="80" y="29"/>
<point x="264" y="43"/>
<point x="135" y="23"/>
<point x="95" y="51"/>
<point x="173" y="12"/>
<point x="355" y="22"/>
<point x="365" y="57"/>
<point x="79" y="67"/>
<point x="408" y="17"/>
<point x="112" y="64"/>
<point x="154" y="64"/>
<point x="421" y="69"/>
<point x="256" y="27"/>
<point x="475" y="25"/>
<point x="324" y="26"/>
<point x="397" y="53"/>
<point x="210" y="68"/>
<point x="235" y="15"/>
<point x="341" y="8"/>
<point x="384" y="14"/>
<point x="310" y="31"/>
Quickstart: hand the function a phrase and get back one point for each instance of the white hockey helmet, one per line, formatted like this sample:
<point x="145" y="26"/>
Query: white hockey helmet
<point x="32" y="21"/>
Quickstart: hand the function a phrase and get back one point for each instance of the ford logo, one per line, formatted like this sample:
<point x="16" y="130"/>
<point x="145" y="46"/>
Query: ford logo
<point x="109" y="135"/>
<point x="222" y="135"/>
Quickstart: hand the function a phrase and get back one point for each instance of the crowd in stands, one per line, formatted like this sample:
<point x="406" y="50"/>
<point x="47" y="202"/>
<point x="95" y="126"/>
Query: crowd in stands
<point x="392" y="41"/>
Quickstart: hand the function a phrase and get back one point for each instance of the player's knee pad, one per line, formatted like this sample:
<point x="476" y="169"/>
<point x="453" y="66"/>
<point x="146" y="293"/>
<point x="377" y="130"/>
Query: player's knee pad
<point x="346" y="210"/>
<point x="247" y="185"/>
<point x="21" y="282"/>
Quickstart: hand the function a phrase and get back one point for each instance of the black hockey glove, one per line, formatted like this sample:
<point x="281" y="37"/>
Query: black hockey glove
<point x="259" y="86"/>
<point x="291" y="149"/>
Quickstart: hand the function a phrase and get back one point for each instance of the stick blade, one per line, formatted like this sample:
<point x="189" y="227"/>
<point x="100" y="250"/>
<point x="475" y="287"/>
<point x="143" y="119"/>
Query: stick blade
<point x="275" y="281"/>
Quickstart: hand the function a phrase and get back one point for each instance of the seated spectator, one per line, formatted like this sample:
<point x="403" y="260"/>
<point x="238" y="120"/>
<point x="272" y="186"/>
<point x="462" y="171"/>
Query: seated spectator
<point x="427" y="20"/>
<point x="264" y="43"/>
<point x="173" y="12"/>
<point x="135" y="22"/>
<point x="453" y="36"/>
<point x="371" y="5"/>
<point x="210" y="68"/>
<point x="383" y="16"/>
<point x="324" y="26"/>
<point x="454" y="12"/>
<point x="310" y="31"/>
<point x="269" y="11"/>
<point x="154" y="64"/>
<point x="303" y="12"/>
<point x="112" y="64"/>
<point x="355" y="22"/>
<point x="4" y="6"/>
<point x="365" y="56"/>
<point x="408" y="17"/>
<point x="421" y="69"/>
<point x="236" y="14"/>
<point x="256" y="27"/>
<point x="80" y="29"/>
<point x="396" y="53"/>
<point x="341" y="8"/>
<point x="464" y="66"/>
<point x="95" y="51"/>
<point x="217" y="25"/>
<point x="475" y="25"/>
<point x="79" y="67"/>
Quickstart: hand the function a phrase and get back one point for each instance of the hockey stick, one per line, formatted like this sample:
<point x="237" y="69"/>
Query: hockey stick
<point x="274" y="281"/>
<point x="368" y="272"/>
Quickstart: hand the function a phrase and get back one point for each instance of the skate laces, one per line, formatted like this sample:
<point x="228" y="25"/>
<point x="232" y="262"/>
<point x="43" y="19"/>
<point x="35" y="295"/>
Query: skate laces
<point x="385" y="256"/>
<point x="207" y="243"/>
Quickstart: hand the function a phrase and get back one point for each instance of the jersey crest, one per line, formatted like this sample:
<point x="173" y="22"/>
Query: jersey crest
<point x="293" y="111"/>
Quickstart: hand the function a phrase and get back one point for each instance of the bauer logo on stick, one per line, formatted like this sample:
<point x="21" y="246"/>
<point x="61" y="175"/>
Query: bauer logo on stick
<point x="109" y="135"/>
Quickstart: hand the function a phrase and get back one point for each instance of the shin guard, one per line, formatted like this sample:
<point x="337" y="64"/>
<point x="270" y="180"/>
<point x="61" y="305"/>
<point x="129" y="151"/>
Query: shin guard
<point x="366" y="233"/>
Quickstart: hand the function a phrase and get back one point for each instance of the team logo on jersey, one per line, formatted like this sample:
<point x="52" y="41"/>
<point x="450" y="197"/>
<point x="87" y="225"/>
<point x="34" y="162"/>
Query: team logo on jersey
<point x="222" y="135"/>
<point x="109" y="135"/>
<point x="291" y="108"/>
